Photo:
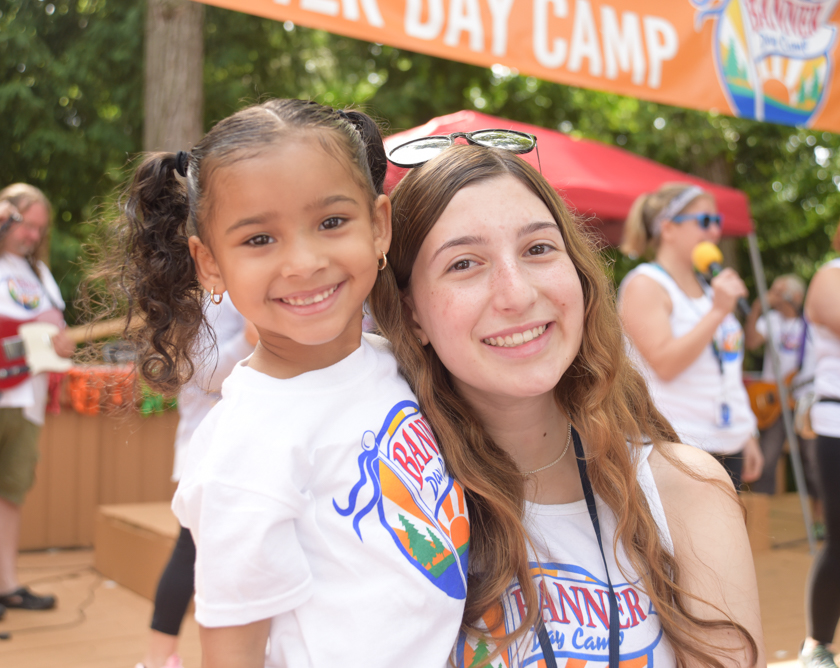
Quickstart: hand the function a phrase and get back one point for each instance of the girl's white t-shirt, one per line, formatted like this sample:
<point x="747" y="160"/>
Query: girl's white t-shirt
<point x="24" y="296"/>
<point x="569" y="572"/>
<point x="692" y="402"/>
<point x="825" y="416"/>
<point x="323" y="503"/>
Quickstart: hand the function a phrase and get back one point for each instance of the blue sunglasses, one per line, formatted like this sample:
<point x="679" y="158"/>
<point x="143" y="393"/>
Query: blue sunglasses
<point x="704" y="220"/>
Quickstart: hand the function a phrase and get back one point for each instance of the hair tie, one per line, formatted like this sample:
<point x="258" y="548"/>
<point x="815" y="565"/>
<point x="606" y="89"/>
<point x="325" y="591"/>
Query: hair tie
<point x="674" y="206"/>
<point x="182" y="160"/>
<point x="343" y="114"/>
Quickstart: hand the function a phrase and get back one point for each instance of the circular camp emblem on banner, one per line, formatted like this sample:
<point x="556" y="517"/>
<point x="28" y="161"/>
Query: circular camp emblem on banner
<point x="773" y="57"/>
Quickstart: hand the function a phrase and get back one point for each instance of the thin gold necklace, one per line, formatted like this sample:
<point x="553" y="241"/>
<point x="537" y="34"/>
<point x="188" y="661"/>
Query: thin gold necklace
<point x="548" y="466"/>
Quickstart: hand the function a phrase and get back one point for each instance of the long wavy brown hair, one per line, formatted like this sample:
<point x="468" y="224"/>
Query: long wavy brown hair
<point x="605" y="397"/>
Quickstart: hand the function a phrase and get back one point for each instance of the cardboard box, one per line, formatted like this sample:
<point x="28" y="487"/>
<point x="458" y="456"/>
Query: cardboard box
<point x="133" y="542"/>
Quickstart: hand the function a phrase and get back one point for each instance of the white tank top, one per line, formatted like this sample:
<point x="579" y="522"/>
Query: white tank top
<point x="693" y="401"/>
<point x="569" y="570"/>
<point x="825" y="416"/>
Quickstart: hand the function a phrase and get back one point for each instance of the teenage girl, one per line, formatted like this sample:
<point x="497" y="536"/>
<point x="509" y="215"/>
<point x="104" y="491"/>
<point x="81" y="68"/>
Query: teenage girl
<point x="327" y="528"/>
<point x="597" y="540"/>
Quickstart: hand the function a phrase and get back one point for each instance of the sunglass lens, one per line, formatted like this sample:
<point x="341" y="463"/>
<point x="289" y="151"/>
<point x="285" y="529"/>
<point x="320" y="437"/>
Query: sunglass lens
<point x="707" y="220"/>
<point x="418" y="151"/>
<point x="515" y="142"/>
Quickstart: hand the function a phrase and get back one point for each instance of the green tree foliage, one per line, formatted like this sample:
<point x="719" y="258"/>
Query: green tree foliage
<point x="71" y="94"/>
<point x="71" y="102"/>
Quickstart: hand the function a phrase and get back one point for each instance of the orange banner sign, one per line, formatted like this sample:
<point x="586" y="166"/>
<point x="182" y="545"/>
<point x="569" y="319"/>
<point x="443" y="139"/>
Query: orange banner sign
<point x="771" y="60"/>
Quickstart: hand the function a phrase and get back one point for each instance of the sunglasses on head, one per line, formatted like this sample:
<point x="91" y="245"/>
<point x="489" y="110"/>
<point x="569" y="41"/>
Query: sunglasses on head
<point x="704" y="220"/>
<point x="419" y="151"/>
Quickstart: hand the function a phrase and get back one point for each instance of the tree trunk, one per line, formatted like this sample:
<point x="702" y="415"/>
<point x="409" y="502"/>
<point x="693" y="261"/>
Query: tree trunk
<point x="174" y="87"/>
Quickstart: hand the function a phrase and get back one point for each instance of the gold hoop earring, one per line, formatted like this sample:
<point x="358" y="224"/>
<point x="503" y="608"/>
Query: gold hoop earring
<point x="382" y="262"/>
<point x="216" y="299"/>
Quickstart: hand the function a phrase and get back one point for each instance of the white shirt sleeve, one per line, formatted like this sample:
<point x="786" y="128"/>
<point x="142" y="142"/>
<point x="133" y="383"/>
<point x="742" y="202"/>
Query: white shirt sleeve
<point x="250" y="564"/>
<point x="241" y="499"/>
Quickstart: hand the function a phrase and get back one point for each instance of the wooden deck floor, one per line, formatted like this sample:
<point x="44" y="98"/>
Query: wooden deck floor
<point x="101" y="625"/>
<point x="97" y="623"/>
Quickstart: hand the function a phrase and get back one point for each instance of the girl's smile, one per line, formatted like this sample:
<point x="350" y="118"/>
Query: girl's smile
<point x="311" y="297"/>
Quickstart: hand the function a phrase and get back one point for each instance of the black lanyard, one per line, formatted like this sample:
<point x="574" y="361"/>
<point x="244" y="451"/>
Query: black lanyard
<point x="589" y="495"/>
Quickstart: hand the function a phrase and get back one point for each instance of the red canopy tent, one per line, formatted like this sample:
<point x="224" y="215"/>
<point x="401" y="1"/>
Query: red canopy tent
<point x="598" y="181"/>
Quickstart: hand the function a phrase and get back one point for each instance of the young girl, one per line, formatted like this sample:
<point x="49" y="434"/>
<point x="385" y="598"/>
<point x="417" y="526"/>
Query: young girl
<point x="328" y="530"/>
<point x="596" y="539"/>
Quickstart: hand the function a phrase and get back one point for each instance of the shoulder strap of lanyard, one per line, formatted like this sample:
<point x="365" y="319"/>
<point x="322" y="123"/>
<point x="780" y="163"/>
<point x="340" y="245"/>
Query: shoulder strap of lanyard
<point x="589" y="495"/>
<point x="800" y="358"/>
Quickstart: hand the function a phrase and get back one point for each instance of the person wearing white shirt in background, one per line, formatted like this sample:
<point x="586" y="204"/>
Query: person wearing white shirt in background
<point x="27" y="292"/>
<point x="684" y="335"/>
<point x="792" y="339"/>
<point x="228" y="339"/>
<point x="822" y="309"/>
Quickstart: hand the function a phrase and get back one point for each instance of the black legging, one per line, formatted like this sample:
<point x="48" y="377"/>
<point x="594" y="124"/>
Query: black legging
<point x="175" y="588"/>
<point x="824" y="586"/>
<point x="734" y="465"/>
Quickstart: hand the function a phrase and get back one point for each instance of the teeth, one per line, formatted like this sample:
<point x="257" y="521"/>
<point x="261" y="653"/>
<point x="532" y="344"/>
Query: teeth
<point x="310" y="300"/>
<point x="516" y="339"/>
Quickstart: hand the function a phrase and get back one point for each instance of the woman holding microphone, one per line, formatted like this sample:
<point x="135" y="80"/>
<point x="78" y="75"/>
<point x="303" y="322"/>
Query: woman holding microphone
<point x="684" y="335"/>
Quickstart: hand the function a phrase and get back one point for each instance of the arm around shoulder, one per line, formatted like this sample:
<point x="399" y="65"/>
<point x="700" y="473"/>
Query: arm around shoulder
<point x="711" y="546"/>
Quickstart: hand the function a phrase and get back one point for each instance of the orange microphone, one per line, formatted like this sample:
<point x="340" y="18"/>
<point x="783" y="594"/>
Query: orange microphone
<point x="707" y="259"/>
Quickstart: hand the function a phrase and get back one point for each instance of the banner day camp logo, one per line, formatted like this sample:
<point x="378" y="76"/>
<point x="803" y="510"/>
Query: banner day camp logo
<point x="404" y="481"/>
<point x="774" y="58"/>
<point x="575" y="609"/>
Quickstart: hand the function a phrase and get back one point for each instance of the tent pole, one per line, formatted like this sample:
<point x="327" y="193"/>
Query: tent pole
<point x="793" y="442"/>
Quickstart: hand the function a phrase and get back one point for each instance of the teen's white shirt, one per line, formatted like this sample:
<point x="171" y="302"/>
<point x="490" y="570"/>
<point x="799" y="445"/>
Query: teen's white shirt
<point x="23" y="296"/>
<point x="322" y="502"/>
<point x="569" y="570"/>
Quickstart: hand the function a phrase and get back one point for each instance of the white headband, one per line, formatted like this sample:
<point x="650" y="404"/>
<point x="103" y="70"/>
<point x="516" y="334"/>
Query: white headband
<point x="673" y="207"/>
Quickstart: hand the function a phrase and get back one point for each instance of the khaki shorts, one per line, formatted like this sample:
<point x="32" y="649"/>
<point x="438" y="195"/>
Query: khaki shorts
<point x="18" y="454"/>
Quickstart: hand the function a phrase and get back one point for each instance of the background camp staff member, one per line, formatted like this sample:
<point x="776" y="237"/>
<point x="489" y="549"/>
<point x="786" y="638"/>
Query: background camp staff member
<point x="822" y="309"/>
<point x="225" y="342"/>
<point x="792" y="340"/>
<point x="686" y="339"/>
<point x="27" y="292"/>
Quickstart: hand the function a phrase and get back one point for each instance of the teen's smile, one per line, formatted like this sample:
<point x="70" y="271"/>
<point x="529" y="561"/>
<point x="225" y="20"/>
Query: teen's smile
<point x="516" y="337"/>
